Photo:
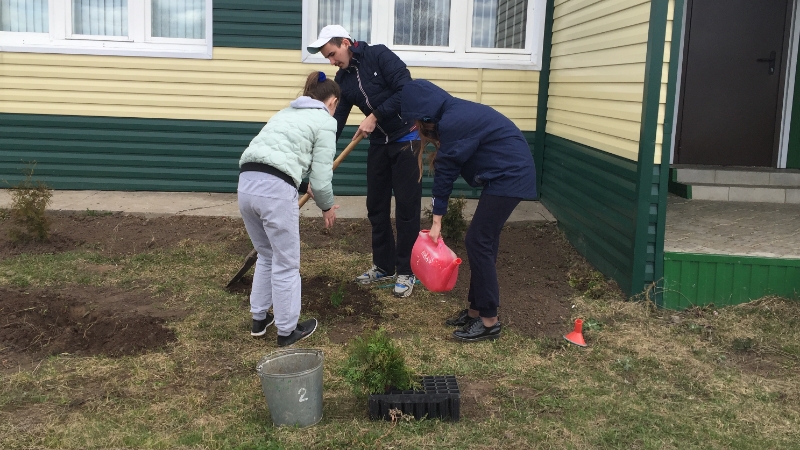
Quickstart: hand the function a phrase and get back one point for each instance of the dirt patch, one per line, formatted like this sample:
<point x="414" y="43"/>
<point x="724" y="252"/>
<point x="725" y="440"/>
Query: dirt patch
<point x="350" y="235"/>
<point x="79" y="320"/>
<point x="329" y="300"/>
<point x="122" y="234"/>
<point x="348" y="306"/>
<point x="346" y="329"/>
<point x="477" y="399"/>
<point x="533" y="263"/>
<point x="532" y="266"/>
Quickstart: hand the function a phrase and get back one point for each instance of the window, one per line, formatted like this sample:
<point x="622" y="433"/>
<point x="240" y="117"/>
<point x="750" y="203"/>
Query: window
<point x="169" y="28"/>
<point x="439" y="33"/>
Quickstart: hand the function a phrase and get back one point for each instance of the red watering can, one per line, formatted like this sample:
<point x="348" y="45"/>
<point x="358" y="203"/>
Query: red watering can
<point x="434" y="264"/>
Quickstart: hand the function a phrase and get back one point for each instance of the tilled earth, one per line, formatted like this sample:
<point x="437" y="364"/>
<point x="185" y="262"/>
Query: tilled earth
<point x="533" y="265"/>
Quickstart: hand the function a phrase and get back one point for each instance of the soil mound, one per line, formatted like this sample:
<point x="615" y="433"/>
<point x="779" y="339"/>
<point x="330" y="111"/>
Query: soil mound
<point x="82" y="321"/>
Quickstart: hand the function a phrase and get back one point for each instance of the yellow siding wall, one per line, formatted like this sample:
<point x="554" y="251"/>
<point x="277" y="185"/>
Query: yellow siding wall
<point x="237" y="84"/>
<point x="597" y="73"/>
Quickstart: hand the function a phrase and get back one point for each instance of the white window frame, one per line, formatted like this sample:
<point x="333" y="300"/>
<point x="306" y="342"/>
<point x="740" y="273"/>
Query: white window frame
<point x="459" y="53"/>
<point x="60" y="38"/>
<point x="389" y="32"/>
<point x="511" y="51"/>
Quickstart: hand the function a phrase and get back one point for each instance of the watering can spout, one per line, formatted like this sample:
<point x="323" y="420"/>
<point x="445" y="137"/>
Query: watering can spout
<point x="449" y="270"/>
<point x="450" y="273"/>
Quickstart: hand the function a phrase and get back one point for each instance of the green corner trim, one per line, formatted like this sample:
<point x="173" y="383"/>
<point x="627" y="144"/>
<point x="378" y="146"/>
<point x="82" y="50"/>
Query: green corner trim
<point x="672" y="185"/>
<point x="544" y="86"/>
<point x="647" y="143"/>
<point x="692" y="279"/>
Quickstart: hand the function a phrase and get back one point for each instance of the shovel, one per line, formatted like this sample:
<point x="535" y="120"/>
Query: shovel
<point x="251" y="257"/>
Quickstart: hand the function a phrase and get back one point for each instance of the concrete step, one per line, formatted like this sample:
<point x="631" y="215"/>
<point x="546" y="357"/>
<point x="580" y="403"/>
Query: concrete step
<point x="744" y="193"/>
<point x="738" y="176"/>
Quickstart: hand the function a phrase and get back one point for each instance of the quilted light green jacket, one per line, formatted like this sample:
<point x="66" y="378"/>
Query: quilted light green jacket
<point x="300" y="141"/>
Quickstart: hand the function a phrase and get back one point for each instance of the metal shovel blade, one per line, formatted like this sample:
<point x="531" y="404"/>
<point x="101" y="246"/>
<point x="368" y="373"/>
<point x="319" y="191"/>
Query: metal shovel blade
<point x="249" y="260"/>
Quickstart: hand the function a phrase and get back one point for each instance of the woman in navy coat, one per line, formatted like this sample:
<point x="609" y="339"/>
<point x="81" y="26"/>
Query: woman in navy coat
<point x="488" y="151"/>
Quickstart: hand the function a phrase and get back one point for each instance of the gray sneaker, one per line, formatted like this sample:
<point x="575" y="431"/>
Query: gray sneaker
<point x="374" y="274"/>
<point x="404" y="285"/>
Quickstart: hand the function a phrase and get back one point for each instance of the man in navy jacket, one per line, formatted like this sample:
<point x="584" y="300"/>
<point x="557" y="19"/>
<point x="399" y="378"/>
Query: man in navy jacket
<point x="372" y="77"/>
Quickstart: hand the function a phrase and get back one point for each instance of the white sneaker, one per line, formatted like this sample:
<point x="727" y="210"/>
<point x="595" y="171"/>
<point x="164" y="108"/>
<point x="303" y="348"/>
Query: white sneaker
<point x="373" y="275"/>
<point x="404" y="285"/>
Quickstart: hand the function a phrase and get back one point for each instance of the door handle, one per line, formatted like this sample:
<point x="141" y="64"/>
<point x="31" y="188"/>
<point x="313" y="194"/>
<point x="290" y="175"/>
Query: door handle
<point x="770" y="60"/>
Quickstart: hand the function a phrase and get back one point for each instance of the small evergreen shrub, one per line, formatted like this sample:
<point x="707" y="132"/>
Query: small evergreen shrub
<point x="453" y="223"/>
<point x="375" y="364"/>
<point x="29" y="201"/>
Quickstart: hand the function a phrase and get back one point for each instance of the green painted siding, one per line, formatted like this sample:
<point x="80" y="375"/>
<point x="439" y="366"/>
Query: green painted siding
<point x="593" y="196"/>
<point x="697" y="280"/>
<point x="258" y="24"/>
<point x="106" y="153"/>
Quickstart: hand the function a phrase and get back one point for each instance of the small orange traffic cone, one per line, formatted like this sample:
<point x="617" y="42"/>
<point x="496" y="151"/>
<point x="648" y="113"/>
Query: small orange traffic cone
<point x="576" y="336"/>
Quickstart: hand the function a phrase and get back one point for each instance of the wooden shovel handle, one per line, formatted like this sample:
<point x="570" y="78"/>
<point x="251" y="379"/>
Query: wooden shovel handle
<point x="336" y="163"/>
<point x="251" y="257"/>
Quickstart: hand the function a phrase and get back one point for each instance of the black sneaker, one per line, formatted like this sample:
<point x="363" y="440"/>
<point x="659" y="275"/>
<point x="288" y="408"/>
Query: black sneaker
<point x="460" y="319"/>
<point x="303" y="330"/>
<point x="476" y="331"/>
<point x="260" y="326"/>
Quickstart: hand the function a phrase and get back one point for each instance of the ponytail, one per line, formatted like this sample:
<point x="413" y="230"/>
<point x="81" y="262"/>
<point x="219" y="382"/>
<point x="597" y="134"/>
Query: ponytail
<point x="320" y="87"/>
<point x="428" y="134"/>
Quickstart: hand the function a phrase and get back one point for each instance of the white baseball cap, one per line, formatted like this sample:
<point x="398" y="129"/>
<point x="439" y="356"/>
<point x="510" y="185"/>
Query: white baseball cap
<point x="326" y="34"/>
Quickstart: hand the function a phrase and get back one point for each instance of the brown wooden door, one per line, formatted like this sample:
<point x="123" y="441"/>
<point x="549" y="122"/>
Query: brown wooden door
<point x="729" y="107"/>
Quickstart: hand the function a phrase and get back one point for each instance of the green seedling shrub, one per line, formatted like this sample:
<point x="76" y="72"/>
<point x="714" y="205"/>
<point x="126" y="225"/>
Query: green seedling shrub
<point x="337" y="296"/>
<point x="29" y="201"/>
<point x="453" y="223"/>
<point x="375" y="364"/>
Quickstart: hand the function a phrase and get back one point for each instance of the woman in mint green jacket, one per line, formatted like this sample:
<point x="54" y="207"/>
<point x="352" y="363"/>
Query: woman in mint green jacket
<point x="298" y="141"/>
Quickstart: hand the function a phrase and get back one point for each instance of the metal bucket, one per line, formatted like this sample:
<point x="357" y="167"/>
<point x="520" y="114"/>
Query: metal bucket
<point x="292" y="383"/>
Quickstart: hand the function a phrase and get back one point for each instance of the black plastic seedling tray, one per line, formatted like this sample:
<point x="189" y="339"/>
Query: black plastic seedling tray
<point x="439" y="398"/>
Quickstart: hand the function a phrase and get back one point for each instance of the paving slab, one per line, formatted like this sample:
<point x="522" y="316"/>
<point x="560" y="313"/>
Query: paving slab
<point x="214" y="204"/>
<point x="733" y="228"/>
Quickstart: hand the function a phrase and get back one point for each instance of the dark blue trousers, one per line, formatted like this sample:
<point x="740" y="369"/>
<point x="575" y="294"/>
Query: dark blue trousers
<point x="393" y="167"/>
<point x="482" y="242"/>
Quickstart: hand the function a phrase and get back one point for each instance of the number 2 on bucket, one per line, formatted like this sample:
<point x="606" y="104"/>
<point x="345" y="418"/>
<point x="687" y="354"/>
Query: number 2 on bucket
<point x="302" y="394"/>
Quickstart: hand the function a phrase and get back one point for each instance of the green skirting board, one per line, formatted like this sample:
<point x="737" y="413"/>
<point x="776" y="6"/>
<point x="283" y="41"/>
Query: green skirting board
<point x="692" y="279"/>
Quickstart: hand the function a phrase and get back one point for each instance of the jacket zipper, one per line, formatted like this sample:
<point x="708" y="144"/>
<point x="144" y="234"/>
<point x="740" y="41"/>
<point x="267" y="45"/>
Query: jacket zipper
<point x="358" y="77"/>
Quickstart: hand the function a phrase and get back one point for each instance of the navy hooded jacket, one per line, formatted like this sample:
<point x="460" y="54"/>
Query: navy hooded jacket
<point x="374" y="82"/>
<point x="475" y="141"/>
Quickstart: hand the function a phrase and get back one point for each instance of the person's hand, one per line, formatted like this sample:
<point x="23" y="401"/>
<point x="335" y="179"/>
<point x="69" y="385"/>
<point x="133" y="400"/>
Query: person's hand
<point x="310" y="192"/>
<point x="367" y="126"/>
<point x="330" y="216"/>
<point x="436" y="228"/>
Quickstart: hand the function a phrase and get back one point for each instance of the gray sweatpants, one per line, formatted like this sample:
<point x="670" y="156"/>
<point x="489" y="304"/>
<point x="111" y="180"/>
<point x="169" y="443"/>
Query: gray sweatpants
<point x="272" y="217"/>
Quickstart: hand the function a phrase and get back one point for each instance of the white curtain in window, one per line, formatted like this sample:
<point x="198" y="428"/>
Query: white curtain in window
<point x="100" y="17"/>
<point x="422" y="22"/>
<point x="354" y="15"/>
<point x="24" y="16"/>
<point x="179" y="19"/>
<point x="499" y="23"/>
